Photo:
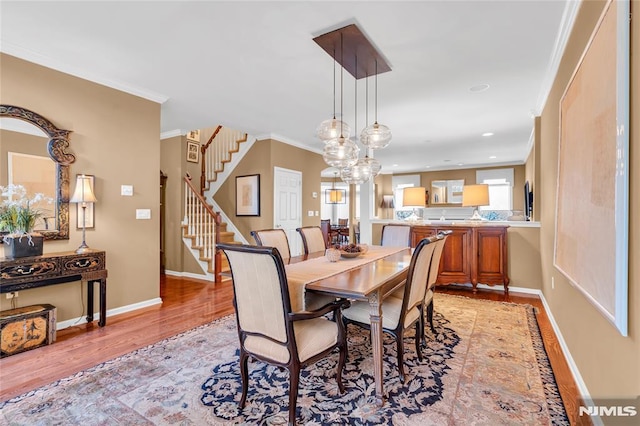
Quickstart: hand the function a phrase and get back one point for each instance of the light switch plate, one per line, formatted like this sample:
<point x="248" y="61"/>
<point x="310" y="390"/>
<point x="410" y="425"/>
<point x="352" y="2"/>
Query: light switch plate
<point x="143" y="213"/>
<point x="126" y="190"/>
<point x="310" y="213"/>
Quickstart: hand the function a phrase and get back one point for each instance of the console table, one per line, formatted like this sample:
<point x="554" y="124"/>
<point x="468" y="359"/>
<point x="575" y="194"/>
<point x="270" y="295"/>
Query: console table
<point x="473" y="253"/>
<point x="25" y="273"/>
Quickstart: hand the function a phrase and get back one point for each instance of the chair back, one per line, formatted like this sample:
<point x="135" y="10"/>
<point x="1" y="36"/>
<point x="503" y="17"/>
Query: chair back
<point x="260" y="291"/>
<point x="441" y="238"/>
<point x="273" y="238"/>
<point x="417" y="276"/>
<point x="313" y="239"/>
<point x="343" y="222"/>
<point x="325" y="226"/>
<point x="396" y="235"/>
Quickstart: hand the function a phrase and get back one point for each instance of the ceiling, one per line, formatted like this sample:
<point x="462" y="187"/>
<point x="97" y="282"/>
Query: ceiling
<point x="254" y="66"/>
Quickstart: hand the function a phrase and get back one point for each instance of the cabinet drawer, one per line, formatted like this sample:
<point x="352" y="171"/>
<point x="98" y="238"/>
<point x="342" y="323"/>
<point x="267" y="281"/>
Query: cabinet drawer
<point x="28" y="270"/>
<point x="83" y="263"/>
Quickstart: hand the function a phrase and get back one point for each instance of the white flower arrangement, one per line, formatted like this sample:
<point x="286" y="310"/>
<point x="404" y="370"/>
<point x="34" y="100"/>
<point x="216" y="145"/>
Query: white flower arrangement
<point x="18" y="217"/>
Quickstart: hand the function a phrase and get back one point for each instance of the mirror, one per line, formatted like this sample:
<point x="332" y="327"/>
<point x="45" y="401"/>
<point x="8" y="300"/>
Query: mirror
<point x="24" y="149"/>
<point x="446" y="191"/>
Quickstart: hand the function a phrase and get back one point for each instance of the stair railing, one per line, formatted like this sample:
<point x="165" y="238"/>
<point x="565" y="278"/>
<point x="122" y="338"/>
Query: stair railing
<point x="217" y="152"/>
<point x="202" y="224"/>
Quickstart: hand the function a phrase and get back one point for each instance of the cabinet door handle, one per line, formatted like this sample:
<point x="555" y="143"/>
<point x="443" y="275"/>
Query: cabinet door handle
<point x="23" y="272"/>
<point x="83" y="263"/>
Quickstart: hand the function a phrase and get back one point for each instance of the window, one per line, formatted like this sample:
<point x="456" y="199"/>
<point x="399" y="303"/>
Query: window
<point x="500" y="183"/>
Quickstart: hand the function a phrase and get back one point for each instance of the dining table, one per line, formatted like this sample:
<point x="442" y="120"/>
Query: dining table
<point x="372" y="276"/>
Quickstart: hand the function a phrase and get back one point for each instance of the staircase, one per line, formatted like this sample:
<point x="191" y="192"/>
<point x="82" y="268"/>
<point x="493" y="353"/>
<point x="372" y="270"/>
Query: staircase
<point x="203" y="227"/>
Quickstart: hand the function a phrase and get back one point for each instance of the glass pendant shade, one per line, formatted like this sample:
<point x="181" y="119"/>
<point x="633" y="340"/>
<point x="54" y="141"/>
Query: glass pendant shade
<point x="376" y="136"/>
<point x="374" y="165"/>
<point x="356" y="174"/>
<point x="340" y="153"/>
<point x="331" y="129"/>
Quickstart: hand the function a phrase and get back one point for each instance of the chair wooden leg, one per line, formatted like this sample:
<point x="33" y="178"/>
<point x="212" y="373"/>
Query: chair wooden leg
<point x="430" y="316"/>
<point x="400" y="349"/>
<point x="244" y="374"/>
<point x="294" y="378"/>
<point x="418" y="339"/>
<point x="341" y="361"/>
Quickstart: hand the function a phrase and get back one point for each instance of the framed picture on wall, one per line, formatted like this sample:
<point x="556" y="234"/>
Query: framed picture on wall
<point x="193" y="152"/>
<point x="193" y="135"/>
<point x="89" y="212"/>
<point x="248" y="195"/>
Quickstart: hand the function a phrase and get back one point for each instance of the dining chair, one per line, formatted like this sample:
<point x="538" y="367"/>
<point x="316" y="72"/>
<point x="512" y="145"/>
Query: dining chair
<point x="325" y="226"/>
<point x="267" y="328"/>
<point x="396" y="235"/>
<point x="312" y="239"/>
<point x="343" y="230"/>
<point x="399" y="314"/>
<point x="427" y="306"/>
<point x="273" y="238"/>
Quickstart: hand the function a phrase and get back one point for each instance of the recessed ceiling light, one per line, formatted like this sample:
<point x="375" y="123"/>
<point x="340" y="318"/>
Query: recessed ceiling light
<point x="479" y="88"/>
<point x="394" y="165"/>
<point x="487" y="134"/>
<point x="427" y="167"/>
<point x="492" y="157"/>
<point x="460" y="164"/>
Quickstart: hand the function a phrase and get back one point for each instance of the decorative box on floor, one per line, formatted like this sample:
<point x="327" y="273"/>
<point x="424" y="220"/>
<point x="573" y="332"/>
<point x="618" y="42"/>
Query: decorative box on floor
<point x="26" y="328"/>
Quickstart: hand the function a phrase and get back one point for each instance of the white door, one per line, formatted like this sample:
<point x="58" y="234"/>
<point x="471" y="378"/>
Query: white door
<point x="287" y="205"/>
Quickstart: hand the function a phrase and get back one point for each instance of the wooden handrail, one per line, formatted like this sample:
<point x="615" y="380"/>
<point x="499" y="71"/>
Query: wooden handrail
<point x="203" y="163"/>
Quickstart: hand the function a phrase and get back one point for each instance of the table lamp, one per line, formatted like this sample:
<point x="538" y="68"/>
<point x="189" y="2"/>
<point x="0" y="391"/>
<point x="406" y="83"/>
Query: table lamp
<point x="83" y="194"/>
<point x="475" y="196"/>
<point x="414" y="197"/>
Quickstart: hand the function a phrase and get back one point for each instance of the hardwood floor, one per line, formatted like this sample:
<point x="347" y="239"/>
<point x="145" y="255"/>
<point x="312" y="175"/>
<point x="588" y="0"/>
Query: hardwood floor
<point x="188" y="303"/>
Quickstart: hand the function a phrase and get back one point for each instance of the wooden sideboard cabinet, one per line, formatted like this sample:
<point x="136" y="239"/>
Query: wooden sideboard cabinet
<point x="472" y="254"/>
<point x="55" y="268"/>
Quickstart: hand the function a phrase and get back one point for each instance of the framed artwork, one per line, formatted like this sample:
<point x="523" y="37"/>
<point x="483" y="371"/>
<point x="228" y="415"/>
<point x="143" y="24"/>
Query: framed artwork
<point x="592" y="206"/>
<point x="193" y="135"/>
<point x="193" y="152"/>
<point x="89" y="212"/>
<point x="248" y="195"/>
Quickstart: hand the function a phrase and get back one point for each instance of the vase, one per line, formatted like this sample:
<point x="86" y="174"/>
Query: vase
<point x="23" y="246"/>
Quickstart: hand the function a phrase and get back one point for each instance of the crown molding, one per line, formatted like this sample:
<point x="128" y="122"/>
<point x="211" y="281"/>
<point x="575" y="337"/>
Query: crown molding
<point x="288" y="141"/>
<point x="172" y="134"/>
<point x="13" y="49"/>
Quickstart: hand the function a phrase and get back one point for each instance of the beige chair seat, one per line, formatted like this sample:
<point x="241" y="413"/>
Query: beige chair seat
<point x="391" y="309"/>
<point x="312" y="337"/>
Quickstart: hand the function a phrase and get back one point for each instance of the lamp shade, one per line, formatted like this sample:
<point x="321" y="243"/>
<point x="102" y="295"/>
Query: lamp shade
<point x="83" y="192"/>
<point x="387" y="202"/>
<point x="413" y="197"/>
<point x="475" y="195"/>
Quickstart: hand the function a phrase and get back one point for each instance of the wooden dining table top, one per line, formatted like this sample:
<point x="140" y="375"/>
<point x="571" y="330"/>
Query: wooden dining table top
<point x="360" y="282"/>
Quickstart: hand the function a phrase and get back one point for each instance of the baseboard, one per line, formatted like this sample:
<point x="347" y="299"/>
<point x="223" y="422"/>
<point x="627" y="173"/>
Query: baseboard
<point x="122" y="309"/>
<point x="188" y="275"/>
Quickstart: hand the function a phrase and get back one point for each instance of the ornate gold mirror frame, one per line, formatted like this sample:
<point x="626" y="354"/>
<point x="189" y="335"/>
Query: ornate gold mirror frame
<point x="57" y="147"/>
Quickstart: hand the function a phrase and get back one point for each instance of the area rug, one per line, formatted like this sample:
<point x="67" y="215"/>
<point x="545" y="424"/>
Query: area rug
<point x="485" y="365"/>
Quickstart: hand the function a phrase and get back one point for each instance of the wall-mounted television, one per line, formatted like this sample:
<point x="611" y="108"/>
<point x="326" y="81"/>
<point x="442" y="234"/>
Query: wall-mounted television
<point x="528" y="202"/>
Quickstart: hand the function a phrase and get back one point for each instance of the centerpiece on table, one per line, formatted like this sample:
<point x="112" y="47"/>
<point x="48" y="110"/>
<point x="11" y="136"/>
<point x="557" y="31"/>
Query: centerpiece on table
<point x="351" y="250"/>
<point x="18" y="218"/>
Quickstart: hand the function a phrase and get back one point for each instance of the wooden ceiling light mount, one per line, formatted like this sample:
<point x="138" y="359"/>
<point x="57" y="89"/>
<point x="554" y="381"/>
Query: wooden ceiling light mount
<point x="355" y="44"/>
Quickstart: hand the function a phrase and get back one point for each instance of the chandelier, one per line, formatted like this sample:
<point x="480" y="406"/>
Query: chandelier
<point x="340" y="151"/>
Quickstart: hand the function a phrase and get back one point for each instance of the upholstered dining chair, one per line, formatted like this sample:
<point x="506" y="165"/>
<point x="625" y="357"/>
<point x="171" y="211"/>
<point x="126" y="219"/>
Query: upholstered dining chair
<point x="325" y="226"/>
<point x="273" y="238"/>
<point x="396" y="235"/>
<point x="427" y="306"/>
<point x="343" y="230"/>
<point x="267" y="328"/>
<point x="312" y="239"/>
<point x="399" y="314"/>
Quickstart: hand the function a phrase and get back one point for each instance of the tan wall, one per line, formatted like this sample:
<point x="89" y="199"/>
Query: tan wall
<point x="608" y="362"/>
<point x="263" y="156"/>
<point x="115" y="138"/>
